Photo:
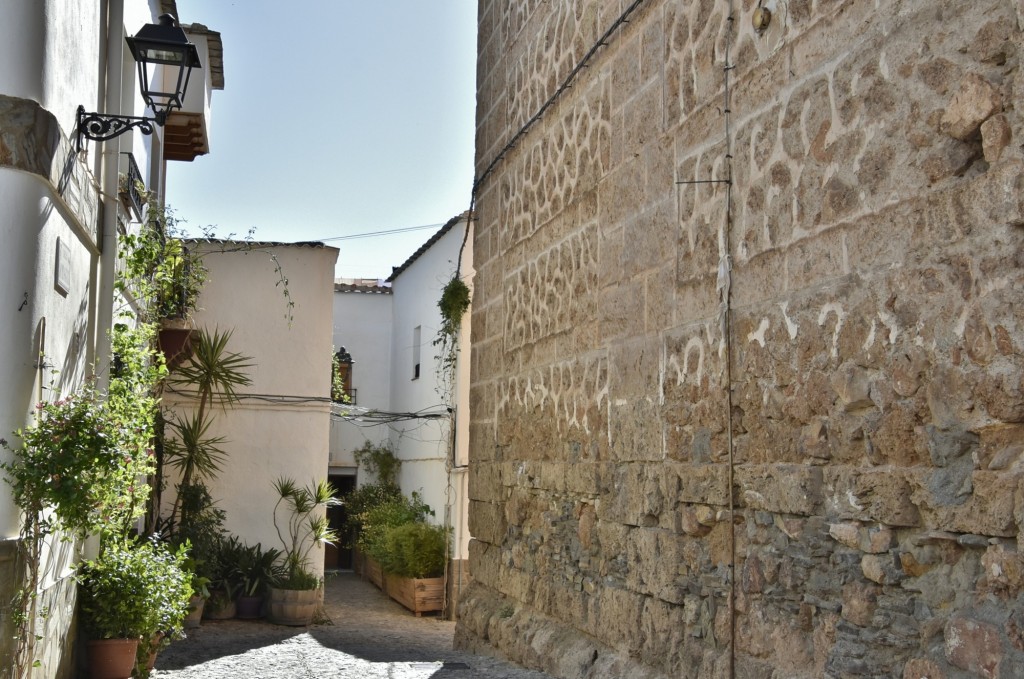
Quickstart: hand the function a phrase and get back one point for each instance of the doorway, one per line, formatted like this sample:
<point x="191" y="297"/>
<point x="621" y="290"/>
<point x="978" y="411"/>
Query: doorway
<point x="339" y="556"/>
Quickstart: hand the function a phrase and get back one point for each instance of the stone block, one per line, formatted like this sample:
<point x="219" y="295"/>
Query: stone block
<point x="974" y="646"/>
<point x="988" y="510"/>
<point x="885" y="569"/>
<point x="636" y="496"/>
<point x="702" y="483"/>
<point x="487" y="521"/>
<point x="996" y="135"/>
<point x="859" y="603"/>
<point x="584" y="478"/>
<point x="975" y="101"/>
<point x="789" y="489"/>
<point x="880" y="495"/>
<point x="853" y="387"/>
<point x="636" y="430"/>
<point x="485" y="482"/>
<point x="1004" y="571"/>
<point x="922" y="668"/>
<point x="553" y="476"/>
<point x="846" y="534"/>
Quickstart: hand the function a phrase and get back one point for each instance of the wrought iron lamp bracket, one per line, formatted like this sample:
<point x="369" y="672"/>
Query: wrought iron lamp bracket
<point x="101" y="127"/>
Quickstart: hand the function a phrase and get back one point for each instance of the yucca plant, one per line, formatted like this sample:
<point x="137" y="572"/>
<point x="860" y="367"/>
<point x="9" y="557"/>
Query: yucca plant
<point x="211" y="373"/>
<point x="306" y="527"/>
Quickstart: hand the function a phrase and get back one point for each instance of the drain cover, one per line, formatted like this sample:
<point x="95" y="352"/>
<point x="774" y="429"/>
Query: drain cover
<point x="444" y="666"/>
<point x="455" y="666"/>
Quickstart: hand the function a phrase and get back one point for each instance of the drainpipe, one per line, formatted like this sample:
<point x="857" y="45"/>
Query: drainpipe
<point x="110" y="154"/>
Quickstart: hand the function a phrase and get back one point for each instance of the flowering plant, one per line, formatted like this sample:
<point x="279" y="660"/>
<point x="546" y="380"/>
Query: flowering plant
<point x="80" y="468"/>
<point x="80" y="461"/>
<point x="85" y="455"/>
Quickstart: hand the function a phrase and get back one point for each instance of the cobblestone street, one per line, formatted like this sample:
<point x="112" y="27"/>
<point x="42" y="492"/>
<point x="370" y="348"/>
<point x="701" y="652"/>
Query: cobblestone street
<point x="369" y="636"/>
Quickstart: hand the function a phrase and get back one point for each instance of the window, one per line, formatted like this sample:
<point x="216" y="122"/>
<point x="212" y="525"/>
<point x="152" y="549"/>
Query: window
<point x="342" y="372"/>
<point x="416" y="332"/>
<point x="62" y="269"/>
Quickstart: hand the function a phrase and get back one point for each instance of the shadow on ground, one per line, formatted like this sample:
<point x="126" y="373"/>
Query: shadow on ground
<point x="366" y="629"/>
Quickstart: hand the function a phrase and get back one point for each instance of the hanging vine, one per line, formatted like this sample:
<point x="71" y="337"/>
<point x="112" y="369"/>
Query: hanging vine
<point x="454" y="302"/>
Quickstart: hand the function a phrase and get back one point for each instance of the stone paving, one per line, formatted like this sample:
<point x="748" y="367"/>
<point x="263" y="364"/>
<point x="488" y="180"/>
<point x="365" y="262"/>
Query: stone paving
<point x="368" y="636"/>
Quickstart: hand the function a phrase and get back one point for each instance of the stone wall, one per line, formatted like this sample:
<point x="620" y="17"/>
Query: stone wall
<point x="766" y="428"/>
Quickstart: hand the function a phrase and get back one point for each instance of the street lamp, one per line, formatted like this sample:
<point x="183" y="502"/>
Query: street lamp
<point x="154" y="46"/>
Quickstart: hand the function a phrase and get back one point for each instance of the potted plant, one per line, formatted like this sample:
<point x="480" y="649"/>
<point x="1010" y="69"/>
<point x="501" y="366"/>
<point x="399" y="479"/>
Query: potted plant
<point x="225" y="579"/>
<point x="387" y="510"/>
<point x="405" y="555"/>
<point x="197" y="602"/>
<point x="131" y="592"/>
<point x="413" y="557"/>
<point x="201" y="530"/>
<point x="296" y="593"/>
<point x="258" y="569"/>
<point x="358" y="502"/>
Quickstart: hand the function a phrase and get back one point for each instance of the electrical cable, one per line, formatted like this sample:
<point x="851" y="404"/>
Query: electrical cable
<point x="566" y="84"/>
<point x="727" y="338"/>
<point x="387" y="232"/>
<point x="270" y="398"/>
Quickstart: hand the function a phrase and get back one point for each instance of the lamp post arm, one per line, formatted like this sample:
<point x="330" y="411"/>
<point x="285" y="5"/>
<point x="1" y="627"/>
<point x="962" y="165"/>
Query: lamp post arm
<point x="101" y="127"/>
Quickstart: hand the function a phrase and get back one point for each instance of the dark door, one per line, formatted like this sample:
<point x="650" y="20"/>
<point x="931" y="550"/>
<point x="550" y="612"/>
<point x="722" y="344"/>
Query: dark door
<point x="339" y="555"/>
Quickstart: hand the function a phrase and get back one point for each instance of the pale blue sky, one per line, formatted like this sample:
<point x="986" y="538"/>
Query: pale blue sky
<point x="337" y="117"/>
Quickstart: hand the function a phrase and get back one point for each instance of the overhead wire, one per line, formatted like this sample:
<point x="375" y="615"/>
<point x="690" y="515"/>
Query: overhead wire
<point x="386" y="232"/>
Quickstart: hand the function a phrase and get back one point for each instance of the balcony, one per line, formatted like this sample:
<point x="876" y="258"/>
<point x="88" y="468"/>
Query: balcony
<point x="187" y="131"/>
<point x="131" y="186"/>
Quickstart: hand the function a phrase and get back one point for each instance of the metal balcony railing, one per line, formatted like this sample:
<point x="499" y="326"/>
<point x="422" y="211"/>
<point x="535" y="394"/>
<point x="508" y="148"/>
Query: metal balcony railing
<point x="129" y="191"/>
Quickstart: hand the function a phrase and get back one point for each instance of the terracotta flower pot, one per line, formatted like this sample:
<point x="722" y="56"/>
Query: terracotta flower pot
<point x="154" y="648"/>
<point x="175" y="341"/>
<point x="112" y="658"/>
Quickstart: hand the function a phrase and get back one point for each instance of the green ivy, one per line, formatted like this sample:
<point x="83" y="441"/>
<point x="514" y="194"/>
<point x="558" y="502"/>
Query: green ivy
<point x="454" y="303"/>
<point x="85" y="455"/>
<point x="360" y="501"/>
<point x="338" y="394"/>
<point x="378" y="460"/>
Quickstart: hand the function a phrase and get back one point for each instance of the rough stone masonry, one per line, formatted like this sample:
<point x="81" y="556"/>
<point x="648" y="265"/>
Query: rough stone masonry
<point x="747" y="392"/>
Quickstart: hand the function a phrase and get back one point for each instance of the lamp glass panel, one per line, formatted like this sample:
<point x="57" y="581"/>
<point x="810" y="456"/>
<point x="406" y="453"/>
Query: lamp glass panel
<point x="162" y="55"/>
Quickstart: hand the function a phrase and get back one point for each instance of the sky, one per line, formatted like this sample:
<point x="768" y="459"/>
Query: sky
<point x="337" y="118"/>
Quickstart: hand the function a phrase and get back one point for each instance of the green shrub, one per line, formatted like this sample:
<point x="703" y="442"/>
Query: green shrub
<point x="359" y="502"/>
<point x="415" y="550"/>
<point x="134" y="590"/>
<point x="391" y="513"/>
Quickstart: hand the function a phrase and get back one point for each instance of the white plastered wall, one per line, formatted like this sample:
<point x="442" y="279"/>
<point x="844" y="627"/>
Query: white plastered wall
<point x="423" y="445"/>
<point x="363" y="325"/>
<point x="281" y="425"/>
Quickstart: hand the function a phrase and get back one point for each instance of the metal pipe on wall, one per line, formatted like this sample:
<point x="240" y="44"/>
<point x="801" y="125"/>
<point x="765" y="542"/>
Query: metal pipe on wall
<point x="110" y="154"/>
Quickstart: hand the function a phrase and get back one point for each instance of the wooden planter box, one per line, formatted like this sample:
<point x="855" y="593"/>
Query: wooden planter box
<point x="373" y="572"/>
<point x="422" y="595"/>
<point x="357" y="562"/>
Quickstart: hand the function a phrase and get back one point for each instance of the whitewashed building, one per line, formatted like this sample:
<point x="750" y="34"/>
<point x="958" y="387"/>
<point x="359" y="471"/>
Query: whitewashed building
<point x="280" y="425"/>
<point x="60" y="212"/>
<point x="388" y="330"/>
